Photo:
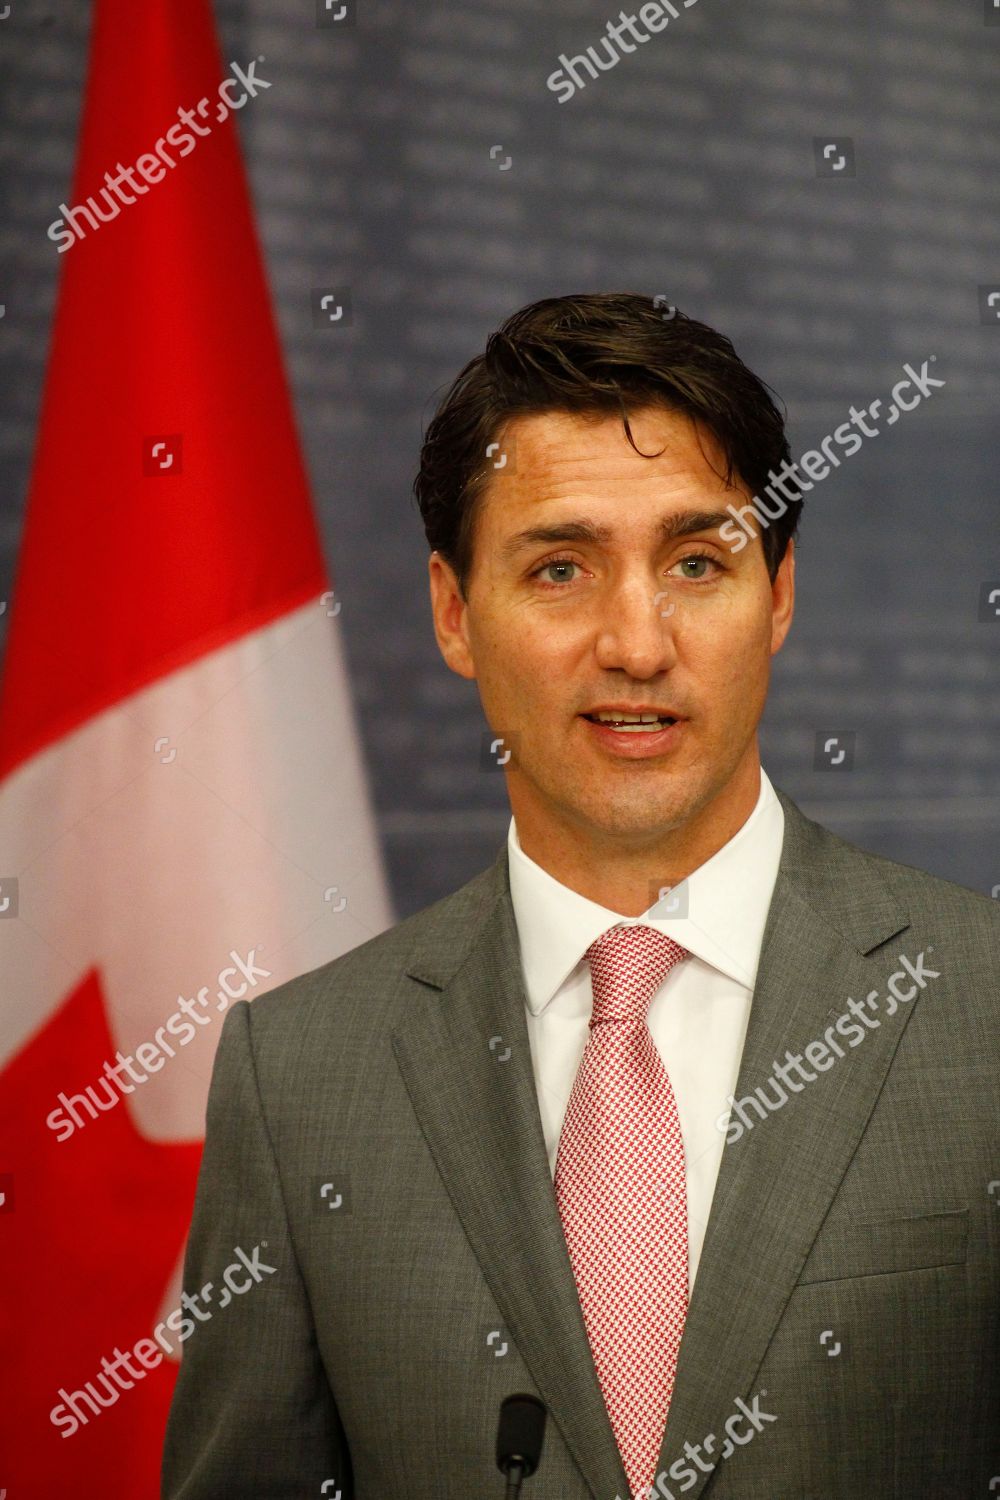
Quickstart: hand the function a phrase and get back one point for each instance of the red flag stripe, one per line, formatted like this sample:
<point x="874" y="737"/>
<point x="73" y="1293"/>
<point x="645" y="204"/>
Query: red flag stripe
<point x="163" y="327"/>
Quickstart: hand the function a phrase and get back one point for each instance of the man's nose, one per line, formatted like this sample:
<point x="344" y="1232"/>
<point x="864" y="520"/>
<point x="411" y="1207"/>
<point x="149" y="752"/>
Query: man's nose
<point x="636" y="629"/>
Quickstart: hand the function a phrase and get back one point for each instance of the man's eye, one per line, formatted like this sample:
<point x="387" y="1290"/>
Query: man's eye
<point x="697" y="559"/>
<point x="555" y="563"/>
<point x="694" y="567"/>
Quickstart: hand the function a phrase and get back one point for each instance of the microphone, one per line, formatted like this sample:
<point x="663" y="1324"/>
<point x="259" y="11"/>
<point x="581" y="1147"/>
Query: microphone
<point x="519" y="1439"/>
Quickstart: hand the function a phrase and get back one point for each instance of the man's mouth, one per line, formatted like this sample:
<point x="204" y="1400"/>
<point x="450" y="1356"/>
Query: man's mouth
<point x="642" y="723"/>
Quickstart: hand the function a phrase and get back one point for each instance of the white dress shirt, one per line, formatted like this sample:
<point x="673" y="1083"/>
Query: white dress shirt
<point x="698" y="1016"/>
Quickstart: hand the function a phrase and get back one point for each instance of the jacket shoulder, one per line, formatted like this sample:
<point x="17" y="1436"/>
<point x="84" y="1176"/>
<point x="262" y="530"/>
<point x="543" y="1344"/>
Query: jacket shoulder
<point x="816" y="854"/>
<point x="371" y="972"/>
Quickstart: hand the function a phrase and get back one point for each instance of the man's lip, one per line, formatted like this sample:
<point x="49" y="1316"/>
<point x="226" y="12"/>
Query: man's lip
<point x="621" y="708"/>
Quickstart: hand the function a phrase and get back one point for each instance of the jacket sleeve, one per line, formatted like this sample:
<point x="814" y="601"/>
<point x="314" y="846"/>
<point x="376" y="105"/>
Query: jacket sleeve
<point x="253" y="1412"/>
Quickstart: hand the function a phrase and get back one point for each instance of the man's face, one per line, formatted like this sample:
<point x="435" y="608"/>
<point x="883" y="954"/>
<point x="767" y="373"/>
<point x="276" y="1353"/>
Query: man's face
<point x="617" y="613"/>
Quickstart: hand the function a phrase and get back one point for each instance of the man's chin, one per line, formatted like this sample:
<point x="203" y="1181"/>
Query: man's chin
<point x="636" y="819"/>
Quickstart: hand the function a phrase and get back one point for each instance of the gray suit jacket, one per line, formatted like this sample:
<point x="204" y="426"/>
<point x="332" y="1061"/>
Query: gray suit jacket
<point x="376" y="1154"/>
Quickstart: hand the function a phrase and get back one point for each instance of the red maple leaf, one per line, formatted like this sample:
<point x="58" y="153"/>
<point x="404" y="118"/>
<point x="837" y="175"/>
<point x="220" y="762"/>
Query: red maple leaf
<point x="90" y="1231"/>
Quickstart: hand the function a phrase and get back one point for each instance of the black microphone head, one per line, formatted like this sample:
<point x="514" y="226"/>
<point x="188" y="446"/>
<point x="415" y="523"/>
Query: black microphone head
<point x="520" y="1432"/>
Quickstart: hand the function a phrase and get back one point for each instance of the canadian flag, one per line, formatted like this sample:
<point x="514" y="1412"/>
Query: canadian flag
<point x="184" y="813"/>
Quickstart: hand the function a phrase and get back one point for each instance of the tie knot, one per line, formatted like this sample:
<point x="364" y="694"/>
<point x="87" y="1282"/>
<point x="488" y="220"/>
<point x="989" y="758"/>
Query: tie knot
<point x="627" y="967"/>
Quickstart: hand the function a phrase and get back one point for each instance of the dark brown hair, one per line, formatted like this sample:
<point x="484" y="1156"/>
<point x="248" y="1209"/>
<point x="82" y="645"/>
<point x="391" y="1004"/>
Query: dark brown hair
<point x="595" y="352"/>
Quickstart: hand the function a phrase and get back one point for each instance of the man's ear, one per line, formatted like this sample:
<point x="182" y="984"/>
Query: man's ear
<point x="450" y="613"/>
<point x="783" y="598"/>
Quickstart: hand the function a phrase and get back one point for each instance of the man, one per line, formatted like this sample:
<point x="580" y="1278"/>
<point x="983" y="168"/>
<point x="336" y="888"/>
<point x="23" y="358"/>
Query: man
<point x="682" y="1115"/>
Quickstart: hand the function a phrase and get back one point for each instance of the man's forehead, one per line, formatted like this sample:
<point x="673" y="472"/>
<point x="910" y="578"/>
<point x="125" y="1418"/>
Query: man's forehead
<point x="559" y="458"/>
<point x="555" y="446"/>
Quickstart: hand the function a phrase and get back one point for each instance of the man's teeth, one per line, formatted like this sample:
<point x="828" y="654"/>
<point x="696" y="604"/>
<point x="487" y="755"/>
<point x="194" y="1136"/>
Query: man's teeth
<point x="632" y="723"/>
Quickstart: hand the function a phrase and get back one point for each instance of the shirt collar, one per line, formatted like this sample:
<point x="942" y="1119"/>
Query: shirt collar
<point x="723" y="907"/>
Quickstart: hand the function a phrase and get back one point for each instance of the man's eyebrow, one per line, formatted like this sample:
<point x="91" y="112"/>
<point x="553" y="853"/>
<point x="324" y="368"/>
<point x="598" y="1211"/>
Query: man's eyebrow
<point x="681" y="523"/>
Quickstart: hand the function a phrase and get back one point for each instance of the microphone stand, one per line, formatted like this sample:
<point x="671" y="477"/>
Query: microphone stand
<point x="515" y="1475"/>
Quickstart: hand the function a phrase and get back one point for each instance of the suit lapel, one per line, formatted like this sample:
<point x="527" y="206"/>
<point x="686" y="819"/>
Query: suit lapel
<point x="830" y="908"/>
<point x="478" y="1109"/>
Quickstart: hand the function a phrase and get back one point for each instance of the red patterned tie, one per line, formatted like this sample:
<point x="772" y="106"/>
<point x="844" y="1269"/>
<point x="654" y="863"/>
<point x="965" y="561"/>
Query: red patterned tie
<point x="620" y="1188"/>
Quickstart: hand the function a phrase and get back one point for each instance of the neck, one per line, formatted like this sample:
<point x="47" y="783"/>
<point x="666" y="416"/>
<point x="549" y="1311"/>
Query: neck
<point x="625" y="875"/>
